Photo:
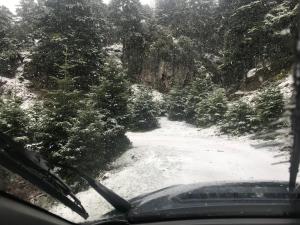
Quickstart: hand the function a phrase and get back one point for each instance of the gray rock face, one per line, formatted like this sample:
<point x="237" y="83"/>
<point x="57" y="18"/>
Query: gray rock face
<point x="164" y="75"/>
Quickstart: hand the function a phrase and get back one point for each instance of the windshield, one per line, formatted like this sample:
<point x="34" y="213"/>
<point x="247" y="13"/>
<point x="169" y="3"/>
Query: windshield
<point x="142" y="95"/>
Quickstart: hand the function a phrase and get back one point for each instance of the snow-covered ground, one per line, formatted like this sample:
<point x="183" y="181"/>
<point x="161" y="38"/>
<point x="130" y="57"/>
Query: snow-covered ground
<point x="18" y="86"/>
<point x="179" y="153"/>
<point x="285" y="85"/>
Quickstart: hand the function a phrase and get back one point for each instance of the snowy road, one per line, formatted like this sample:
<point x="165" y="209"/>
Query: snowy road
<point x="178" y="153"/>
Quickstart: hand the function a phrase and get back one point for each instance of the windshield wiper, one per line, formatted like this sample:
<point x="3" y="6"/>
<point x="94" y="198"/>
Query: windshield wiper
<point x="295" y="154"/>
<point x="115" y="200"/>
<point x="32" y="167"/>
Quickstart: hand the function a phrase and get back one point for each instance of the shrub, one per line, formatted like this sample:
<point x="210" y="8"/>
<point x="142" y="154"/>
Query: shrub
<point x="211" y="110"/>
<point x="143" y="111"/>
<point x="269" y="105"/>
<point x="8" y="62"/>
<point x="196" y="92"/>
<point x="240" y="119"/>
<point x="88" y="139"/>
<point x="13" y="119"/>
<point x="112" y="94"/>
<point x="161" y="108"/>
<point x="9" y="57"/>
<point x="94" y="140"/>
<point x="176" y="104"/>
<point x="60" y="108"/>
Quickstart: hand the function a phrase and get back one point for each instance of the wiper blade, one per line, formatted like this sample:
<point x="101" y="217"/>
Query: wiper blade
<point x="295" y="154"/>
<point x="34" y="169"/>
<point x="115" y="200"/>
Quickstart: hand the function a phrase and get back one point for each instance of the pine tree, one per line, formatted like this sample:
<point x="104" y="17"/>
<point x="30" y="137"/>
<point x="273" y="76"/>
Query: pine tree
<point x="28" y="13"/>
<point x="61" y="108"/>
<point x="240" y="118"/>
<point x="94" y="141"/>
<point x="112" y="94"/>
<point x="8" y="50"/>
<point x="126" y="15"/>
<point x="13" y="119"/>
<point x="211" y="110"/>
<point x="199" y="88"/>
<point x="83" y="130"/>
<point x="143" y="111"/>
<point x="176" y="102"/>
<point x="269" y="105"/>
<point x="71" y="24"/>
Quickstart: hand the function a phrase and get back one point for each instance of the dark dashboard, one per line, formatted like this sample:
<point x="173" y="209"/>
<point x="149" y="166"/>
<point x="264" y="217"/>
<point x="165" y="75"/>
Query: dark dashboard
<point x="16" y="212"/>
<point x="244" y="221"/>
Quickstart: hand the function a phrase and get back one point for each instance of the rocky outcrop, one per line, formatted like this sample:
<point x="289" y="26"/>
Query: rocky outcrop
<point x="164" y="75"/>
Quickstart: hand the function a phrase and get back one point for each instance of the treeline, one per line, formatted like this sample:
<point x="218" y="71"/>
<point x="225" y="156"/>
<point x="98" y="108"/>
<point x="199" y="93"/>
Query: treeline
<point x="227" y="38"/>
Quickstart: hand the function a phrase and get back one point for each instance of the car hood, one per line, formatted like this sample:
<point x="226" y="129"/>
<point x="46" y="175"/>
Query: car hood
<point x="214" y="199"/>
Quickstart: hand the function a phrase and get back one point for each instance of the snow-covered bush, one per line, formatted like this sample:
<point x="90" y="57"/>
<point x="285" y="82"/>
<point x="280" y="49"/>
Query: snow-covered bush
<point x="269" y="105"/>
<point x="161" y="108"/>
<point x="176" y="102"/>
<point x="112" y="94"/>
<point x="266" y="109"/>
<point x="93" y="142"/>
<point x="143" y="111"/>
<point x="8" y="48"/>
<point x="198" y="90"/>
<point x="239" y="119"/>
<point x="13" y="119"/>
<point x="211" y="110"/>
<point x="8" y="63"/>
<point x="71" y="129"/>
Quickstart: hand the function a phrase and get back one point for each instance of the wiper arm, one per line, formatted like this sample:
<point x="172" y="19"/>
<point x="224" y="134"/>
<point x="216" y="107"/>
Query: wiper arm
<point x="295" y="154"/>
<point x="34" y="169"/>
<point x="115" y="200"/>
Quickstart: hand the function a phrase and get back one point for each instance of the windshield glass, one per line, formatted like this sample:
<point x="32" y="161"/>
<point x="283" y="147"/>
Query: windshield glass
<point x="145" y="94"/>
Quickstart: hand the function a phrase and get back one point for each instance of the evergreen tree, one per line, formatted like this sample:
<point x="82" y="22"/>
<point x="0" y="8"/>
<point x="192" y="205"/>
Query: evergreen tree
<point x="195" y="19"/>
<point x="143" y="111"/>
<point x="200" y="87"/>
<point x="13" y="119"/>
<point x="171" y="13"/>
<point x="176" y="104"/>
<point x="211" y="110"/>
<point x="94" y="140"/>
<point x="83" y="131"/>
<point x="68" y="24"/>
<point x="28" y="12"/>
<point x="8" y="50"/>
<point x="61" y="106"/>
<point x="127" y="16"/>
<point x="269" y="105"/>
<point x="240" y="118"/>
<point x="112" y="94"/>
<point x="254" y="38"/>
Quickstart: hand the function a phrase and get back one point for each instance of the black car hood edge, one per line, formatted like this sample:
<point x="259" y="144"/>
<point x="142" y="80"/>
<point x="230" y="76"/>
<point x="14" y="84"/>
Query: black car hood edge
<point x="222" y="199"/>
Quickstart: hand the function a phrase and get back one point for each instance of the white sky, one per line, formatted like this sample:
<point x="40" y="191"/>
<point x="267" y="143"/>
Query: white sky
<point x="11" y="4"/>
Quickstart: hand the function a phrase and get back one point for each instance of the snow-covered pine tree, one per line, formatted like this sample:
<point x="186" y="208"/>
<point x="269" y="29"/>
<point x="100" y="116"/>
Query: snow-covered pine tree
<point x="8" y="48"/>
<point x="143" y="111"/>
<point x="14" y="120"/>
<point x="112" y="93"/>
<point x="211" y="110"/>
<point x="176" y="103"/>
<point x="71" y="24"/>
